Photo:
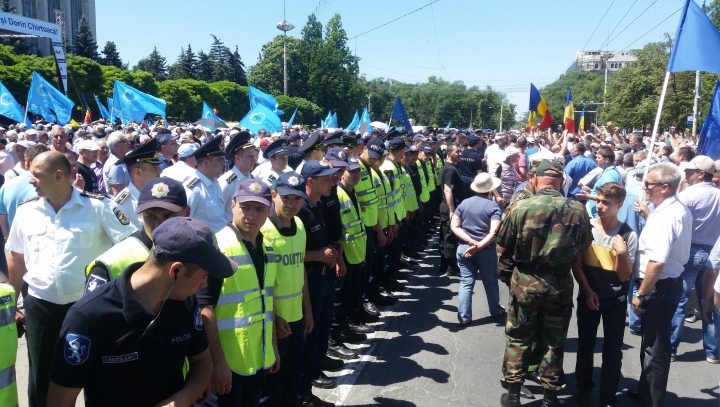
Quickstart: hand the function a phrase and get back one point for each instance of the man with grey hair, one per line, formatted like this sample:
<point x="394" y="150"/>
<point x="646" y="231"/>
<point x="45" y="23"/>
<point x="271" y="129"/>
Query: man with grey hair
<point x="663" y="249"/>
<point x="60" y="141"/>
<point x="116" y="177"/>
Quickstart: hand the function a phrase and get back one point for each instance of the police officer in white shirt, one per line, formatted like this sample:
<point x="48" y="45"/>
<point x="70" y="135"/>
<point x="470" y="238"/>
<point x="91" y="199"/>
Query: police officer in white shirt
<point x="184" y="168"/>
<point x="244" y="155"/>
<point x="143" y="165"/>
<point x="53" y="237"/>
<point x="312" y="149"/>
<point x="277" y="155"/>
<point x="204" y="194"/>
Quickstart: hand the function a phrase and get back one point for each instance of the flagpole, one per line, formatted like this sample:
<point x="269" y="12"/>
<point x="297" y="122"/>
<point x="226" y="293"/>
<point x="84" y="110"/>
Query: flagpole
<point x="657" y="123"/>
<point x="26" y="110"/>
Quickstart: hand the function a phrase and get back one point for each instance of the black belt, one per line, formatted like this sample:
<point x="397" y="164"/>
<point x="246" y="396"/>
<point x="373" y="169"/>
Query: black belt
<point x="661" y="282"/>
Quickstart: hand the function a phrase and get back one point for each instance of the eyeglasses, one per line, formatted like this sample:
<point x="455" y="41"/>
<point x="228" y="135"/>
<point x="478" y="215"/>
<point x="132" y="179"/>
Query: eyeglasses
<point x="647" y="184"/>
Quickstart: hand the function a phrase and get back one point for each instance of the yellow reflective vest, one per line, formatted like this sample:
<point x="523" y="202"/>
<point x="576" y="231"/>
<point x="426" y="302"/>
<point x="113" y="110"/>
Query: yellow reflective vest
<point x="409" y="197"/>
<point x="8" y="347"/>
<point x="120" y="256"/>
<point x="353" y="238"/>
<point x="397" y="188"/>
<point x="425" y="191"/>
<point x="430" y="173"/>
<point x="244" y="311"/>
<point x="367" y="196"/>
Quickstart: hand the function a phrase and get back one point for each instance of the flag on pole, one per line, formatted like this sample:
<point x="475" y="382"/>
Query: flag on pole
<point x="132" y="105"/>
<point x="44" y="96"/>
<point x="103" y="111"/>
<point x="88" y="118"/>
<point x="582" y="120"/>
<point x="292" y="119"/>
<point x="208" y="113"/>
<point x="260" y="117"/>
<point x="448" y="126"/>
<point x="697" y="42"/>
<point x="569" y="117"/>
<point x="399" y="114"/>
<point x="10" y="108"/>
<point x="365" y="121"/>
<point x="709" y="137"/>
<point x="258" y="97"/>
<point x="539" y="106"/>
<point x="355" y="122"/>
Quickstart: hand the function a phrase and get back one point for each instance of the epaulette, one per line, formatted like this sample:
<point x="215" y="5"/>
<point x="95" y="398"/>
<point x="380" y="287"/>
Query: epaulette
<point x="29" y="200"/>
<point x="192" y="182"/>
<point x="91" y="195"/>
<point x="231" y="178"/>
<point x="122" y="196"/>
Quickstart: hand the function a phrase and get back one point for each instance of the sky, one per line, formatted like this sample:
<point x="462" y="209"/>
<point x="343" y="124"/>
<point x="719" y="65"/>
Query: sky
<point x="503" y="44"/>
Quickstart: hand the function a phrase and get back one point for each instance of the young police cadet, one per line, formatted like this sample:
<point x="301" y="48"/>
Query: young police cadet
<point x="142" y="165"/>
<point x="243" y="155"/>
<point x="286" y="233"/>
<point x="125" y="343"/>
<point x="203" y="191"/>
<point x="238" y="311"/>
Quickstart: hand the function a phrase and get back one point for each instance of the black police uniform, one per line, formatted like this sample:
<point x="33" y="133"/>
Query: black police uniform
<point x="294" y="156"/>
<point x="468" y="167"/>
<point x="108" y="348"/>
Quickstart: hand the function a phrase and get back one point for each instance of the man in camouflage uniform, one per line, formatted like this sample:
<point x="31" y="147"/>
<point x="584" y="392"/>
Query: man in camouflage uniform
<point x="544" y="235"/>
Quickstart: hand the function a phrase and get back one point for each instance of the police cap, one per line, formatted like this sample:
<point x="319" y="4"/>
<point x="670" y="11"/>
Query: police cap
<point x="240" y="141"/>
<point x="146" y="153"/>
<point x="209" y="149"/>
<point x="162" y="192"/>
<point x="313" y="142"/>
<point x="336" y="138"/>
<point x="278" y="146"/>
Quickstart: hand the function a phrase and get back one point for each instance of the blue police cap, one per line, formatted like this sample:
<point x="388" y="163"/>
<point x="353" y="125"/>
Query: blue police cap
<point x="253" y="190"/>
<point x="146" y="153"/>
<point x="239" y="142"/>
<point x="426" y="149"/>
<point x="337" y="157"/>
<point x="312" y="142"/>
<point x="209" y="149"/>
<point x="337" y="138"/>
<point x="278" y="146"/>
<point x="291" y="183"/>
<point x="315" y="168"/>
<point x="353" y="163"/>
<point x="397" y="144"/>
<point x="162" y="192"/>
<point x="472" y="140"/>
<point x="376" y="148"/>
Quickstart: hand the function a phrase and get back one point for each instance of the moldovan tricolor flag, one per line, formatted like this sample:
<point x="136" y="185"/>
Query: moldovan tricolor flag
<point x="569" y="113"/>
<point x="539" y="106"/>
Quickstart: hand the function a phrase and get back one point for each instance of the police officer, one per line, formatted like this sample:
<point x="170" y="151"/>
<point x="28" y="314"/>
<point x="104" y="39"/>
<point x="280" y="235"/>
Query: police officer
<point x="125" y="343"/>
<point x="184" y="168"/>
<point x="243" y="155"/>
<point x="203" y="191"/>
<point x="143" y="165"/>
<point x="238" y="311"/>
<point x="312" y="149"/>
<point x="419" y="192"/>
<point x="277" y="155"/>
<point x="334" y="139"/>
<point x="294" y="156"/>
<point x="160" y="199"/>
<point x="428" y="177"/>
<point x="399" y="179"/>
<point x="8" y="346"/>
<point x="469" y="165"/>
<point x="542" y="285"/>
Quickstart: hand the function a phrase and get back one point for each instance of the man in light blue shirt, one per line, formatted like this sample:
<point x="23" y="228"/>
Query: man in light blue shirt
<point x="604" y="158"/>
<point x="578" y="167"/>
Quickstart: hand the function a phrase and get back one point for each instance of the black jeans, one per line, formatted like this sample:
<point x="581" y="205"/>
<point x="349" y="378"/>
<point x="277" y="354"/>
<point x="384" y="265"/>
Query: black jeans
<point x="612" y="312"/>
<point x="283" y="387"/>
<point x="246" y="391"/>
<point x="656" y="325"/>
<point x="448" y="241"/>
<point x="43" y="321"/>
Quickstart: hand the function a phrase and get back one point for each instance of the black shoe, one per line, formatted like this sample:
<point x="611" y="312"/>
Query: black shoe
<point x="582" y="399"/>
<point x="324" y="382"/>
<point x="502" y="314"/>
<point x="370" y="309"/>
<point x="550" y="399"/>
<point x="393" y="285"/>
<point x="385" y="296"/>
<point x="360" y="328"/>
<point x="534" y="377"/>
<point x="512" y="397"/>
<point x="332" y="365"/>
<point x="524" y="391"/>
<point x="341" y="351"/>
<point x="408" y="259"/>
<point x="452" y="273"/>
<point x="633" y="394"/>
<point x="346" y="335"/>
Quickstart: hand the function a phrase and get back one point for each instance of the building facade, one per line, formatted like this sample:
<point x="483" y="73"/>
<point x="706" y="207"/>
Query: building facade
<point x="594" y="61"/>
<point x="49" y="10"/>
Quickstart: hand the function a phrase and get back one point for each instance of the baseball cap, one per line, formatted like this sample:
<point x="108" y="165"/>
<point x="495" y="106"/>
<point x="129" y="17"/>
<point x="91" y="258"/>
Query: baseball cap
<point x="337" y="157"/>
<point x="264" y="142"/>
<point x="291" y="183"/>
<point x="411" y="149"/>
<point x="26" y="143"/>
<point x="472" y="140"/>
<point x="252" y="190"/>
<point x="165" y="137"/>
<point x="510" y="150"/>
<point x="549" y="168"/>
<point x="162" y="192"/>
<point x="187" y="149"/>
<point x="315" y="169"/>
<point x="295" y="137"/>
<point x="426" y="149"/>
<point x="353" y="164"/>
<point x="87" y="145"/>
<point x="703" y="163"/>
<point x="418" y="137"/>
<point x="396" y="144"/>
<point x="376" y="148"/>
<point x="189" y="240"/>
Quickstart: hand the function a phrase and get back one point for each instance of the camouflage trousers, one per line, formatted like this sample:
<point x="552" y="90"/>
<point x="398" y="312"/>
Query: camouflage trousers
<point x="538" y="318"/>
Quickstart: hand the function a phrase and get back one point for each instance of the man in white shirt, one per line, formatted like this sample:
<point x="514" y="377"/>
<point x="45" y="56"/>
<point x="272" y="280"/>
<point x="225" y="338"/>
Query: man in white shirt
<point x="19" y="168"/>
<point x="184" y="168"/>
<point x="244" y="155"/>
<point x="7" y="162"/>
<point x="495" y="154"/>
<point x="52" y="239"/>
<point x="204" y="196"/>
<point x="116" y="177"/>
<point x="277" y="155"/>
<point x="663" y="249"/>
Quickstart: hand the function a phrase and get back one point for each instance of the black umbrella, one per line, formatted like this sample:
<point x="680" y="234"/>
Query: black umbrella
<point x="211" y="123"/>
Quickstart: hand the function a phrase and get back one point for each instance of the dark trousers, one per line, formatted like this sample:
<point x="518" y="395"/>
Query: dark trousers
<point x="321" y="287"/>
<point x="370" y="260"/>
<point x="283" y="387"/>
<point x="246" y="391"/>
<point x="43" y="321"/>
<point x="448" y="241"/>
<point x="612" y="312"/>
<point x="347" y="295"/>
<point x="656" y="325"/>
<point x="393" y="252"/>
<point x="378" y="274"/>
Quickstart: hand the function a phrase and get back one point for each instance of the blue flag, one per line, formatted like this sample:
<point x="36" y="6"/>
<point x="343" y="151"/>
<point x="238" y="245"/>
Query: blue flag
<point x="42" y="97"/>
<point x="697" y="42"/>
<point x="448" y="126"/>
<point x="334" y="121"/>
<point x="327" y="123"/>
<point x="260" y="117"/>
<point x="322" y="124"/>
<point x="131" y="105"/>
<point x="10" y="108"/>
<point x="365" y="118"/>
<point x="355" y="122"/>
<point x="399" y="114"/>
<point x="103" y="111"/>
<point x="208" y="113"/>
<point x="709" y="137"/>
<point x="258" y="97"/>
<point x="292" y="119"/>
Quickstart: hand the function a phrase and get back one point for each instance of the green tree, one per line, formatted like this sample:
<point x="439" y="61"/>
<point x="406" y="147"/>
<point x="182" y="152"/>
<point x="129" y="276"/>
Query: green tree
<point x="222" y="70"/>
<point x="111" y="56"/>
<point x="84" y="44"/>
<point x="268" y="73"/>
<point x="185" y="65"/>
<point x="155" y="64"/>
<point x="713" y="11"/>
<point x="308" y="112"/>
<point x="237" y="68"/>
<point x="204" y="68"/>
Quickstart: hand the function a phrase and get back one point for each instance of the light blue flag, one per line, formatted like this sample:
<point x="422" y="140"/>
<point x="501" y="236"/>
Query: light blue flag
<point x="697" y="42"/>
<point x="365" y="118"/>
<point x="131" y="105"/>
<point x="328" y="121"/>
<point x="110" y="108"/>
<point x="208" y="113"/>
<point x="43" y="95"/>
<point x="709" y="137"/>
<point x="322" y="124"/>
<point x="103" y="111"/>
<point x="334" y="121"/>
<point x="260" y="117"/>
<point x="399" y="114"/>
<point x="355" y="122"/>
<point x="292" y="119"/>
<point x="10" y="108"/>
<point x="448" y="126"/>
<point x="47" y="114"/>
<point x="258" y="97"/>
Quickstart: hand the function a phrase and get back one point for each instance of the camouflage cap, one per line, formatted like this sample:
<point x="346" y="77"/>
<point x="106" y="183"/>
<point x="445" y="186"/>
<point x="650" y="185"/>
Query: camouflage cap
<point x="549" y="168"/>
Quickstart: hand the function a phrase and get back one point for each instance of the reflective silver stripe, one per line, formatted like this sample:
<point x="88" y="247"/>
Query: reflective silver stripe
<point x="239" y="322"/>
<point x="363" y="193"/>
<point x="242" y="260"/>
<point x="7" y="316"/>
<point x="272" y="258"/>
<point x="286" y="297"/>
<point x="235" y="298"/>
<point x="7" y="377"/>
<point x="269" y="291"/>
<point x="345" y="205"/>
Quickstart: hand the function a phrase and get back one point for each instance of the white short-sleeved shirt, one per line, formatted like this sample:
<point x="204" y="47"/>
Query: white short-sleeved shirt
<point x="115" y="174"/>
<point x="267" y="174"/>
<point x="127" y="200"/>
<point x="58" y="246"/>
<point x="205" y="199"/>
<point x="713" y="261"/>
<point x="180" y="172"/>
<point x="666" y="238"/>
<point x="15" y="172"/>
<point x="228" y="184"/>
<point x="703" y="201"/>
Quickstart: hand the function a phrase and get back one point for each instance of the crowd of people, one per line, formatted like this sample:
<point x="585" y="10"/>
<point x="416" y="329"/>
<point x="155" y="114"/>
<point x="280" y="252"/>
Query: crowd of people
<point x="177" y="265"/>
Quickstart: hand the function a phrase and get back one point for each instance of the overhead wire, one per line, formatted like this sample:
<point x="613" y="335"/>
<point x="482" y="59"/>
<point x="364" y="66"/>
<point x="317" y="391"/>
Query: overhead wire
<point x="598" y="25"/>
<point x="618" y="25"/>
<point x="629" y="25"/>
<point x="392" y="21"/>
<point x="650" y="30"/>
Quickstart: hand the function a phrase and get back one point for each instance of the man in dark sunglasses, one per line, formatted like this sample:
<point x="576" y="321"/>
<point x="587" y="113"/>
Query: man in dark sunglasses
<point x="125" y="343"/>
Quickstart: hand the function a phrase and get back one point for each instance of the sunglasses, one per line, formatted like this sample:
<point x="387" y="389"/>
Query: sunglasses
<point x="648" y="184"/>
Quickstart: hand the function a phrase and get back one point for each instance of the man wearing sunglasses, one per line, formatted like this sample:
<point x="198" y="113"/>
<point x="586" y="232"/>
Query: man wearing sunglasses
<point x="125" y="343"/>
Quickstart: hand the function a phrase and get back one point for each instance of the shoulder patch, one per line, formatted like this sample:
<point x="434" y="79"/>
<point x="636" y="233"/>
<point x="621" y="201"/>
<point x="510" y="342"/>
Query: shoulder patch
<point x="192" y="182"/>
<point x="122" y="196"/>
<point x="77" y="349"/>
<point x="91" y="195"/>
<point x="121" y="216"/>
<point x="231" y="178"/>
<point x="29" y="200"/>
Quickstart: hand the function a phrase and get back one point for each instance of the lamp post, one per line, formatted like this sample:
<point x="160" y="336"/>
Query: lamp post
<point x="284" y="26"/>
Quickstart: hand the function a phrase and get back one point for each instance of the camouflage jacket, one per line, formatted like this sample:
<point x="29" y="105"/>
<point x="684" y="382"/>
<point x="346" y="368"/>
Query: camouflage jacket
<point x="546" y="229"/>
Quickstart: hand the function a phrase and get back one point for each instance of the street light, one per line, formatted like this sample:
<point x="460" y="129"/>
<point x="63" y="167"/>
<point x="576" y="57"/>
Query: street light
<point x="284" y="26"/>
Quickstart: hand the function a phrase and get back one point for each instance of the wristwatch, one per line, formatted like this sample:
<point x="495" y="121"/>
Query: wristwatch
<point x="638" y="295"/>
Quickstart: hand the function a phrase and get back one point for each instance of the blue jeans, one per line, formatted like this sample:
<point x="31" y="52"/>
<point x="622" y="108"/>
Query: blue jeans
<point x="692" y="277"/>
<point x="484" y="262"/>
<point x="633" y="316"/>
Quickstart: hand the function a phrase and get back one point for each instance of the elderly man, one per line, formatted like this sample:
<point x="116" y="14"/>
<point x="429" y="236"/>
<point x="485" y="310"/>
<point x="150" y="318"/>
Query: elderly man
<point x="19" y="168"/>
<point x="184" y="168"/>
<point x="60" y="141"/>
<point x="116" y="177"/>
<point x="663" y="249"/>
<point x="167" y="149"/>
<point x="88" y="152"/>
